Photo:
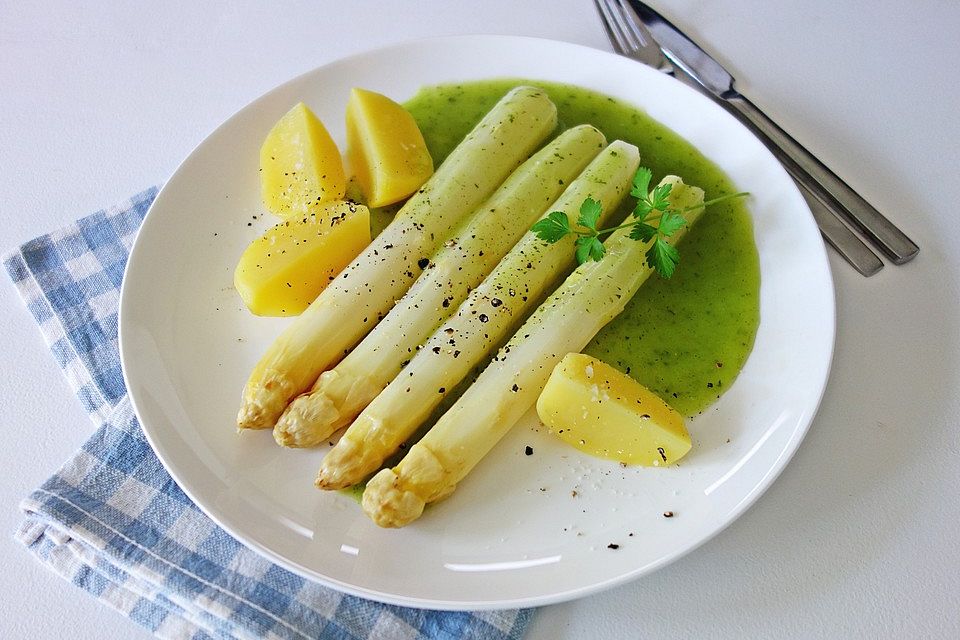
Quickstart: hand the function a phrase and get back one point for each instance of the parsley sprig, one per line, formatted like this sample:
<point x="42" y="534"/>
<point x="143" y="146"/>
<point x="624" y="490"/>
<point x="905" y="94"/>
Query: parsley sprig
<point x="653" y="219"/>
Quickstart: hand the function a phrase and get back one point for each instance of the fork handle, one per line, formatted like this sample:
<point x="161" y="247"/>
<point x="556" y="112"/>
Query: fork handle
<point x="824" y="183"/>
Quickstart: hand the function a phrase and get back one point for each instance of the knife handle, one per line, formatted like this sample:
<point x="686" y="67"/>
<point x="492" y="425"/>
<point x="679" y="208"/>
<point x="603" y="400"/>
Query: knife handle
<point x="829" y="189"/>
<point x="840" y="237"/>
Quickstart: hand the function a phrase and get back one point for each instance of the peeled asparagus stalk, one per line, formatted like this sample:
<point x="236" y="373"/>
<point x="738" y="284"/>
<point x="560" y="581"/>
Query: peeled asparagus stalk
<point x="363" y="292"/>
<point x="481" y="322"/>
<point x="473" y="250"/>
<point x="589" y="298"/>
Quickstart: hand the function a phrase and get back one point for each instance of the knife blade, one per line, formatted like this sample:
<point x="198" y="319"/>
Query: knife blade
<point x="831" y="190"/>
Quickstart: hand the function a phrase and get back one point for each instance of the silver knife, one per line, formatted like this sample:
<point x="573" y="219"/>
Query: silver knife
<point x="824" y="185"/>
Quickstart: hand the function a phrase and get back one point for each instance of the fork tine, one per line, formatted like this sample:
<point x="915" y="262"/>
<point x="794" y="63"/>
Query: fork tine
<point x="629" y="36"/>
<point x="611" y="26"/>
<point x="630" y="19"/>
<point x="626" y="26"/>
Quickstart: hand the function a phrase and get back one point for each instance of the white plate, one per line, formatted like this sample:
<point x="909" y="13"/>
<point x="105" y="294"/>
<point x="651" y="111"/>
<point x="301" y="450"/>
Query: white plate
<point x="512" y="534"/>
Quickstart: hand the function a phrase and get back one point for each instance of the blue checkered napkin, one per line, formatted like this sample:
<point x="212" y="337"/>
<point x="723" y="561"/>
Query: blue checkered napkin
<point x="114" y="523"/>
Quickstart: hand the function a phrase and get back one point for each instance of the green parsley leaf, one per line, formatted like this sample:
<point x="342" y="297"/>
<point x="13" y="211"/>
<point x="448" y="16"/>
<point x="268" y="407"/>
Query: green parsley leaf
<point x="670" y="222"/>
<point x="597" y="250"/>
<point x="552" y="228"/>
<point x="642" y="231"/>
<point x="660" y="195"/>
<point x="590" y="248"/>
<point x="589" y="214"/>
<point x="643" y="209"/>
<point x="641" y="183"/>
<point x="663" y="257"/>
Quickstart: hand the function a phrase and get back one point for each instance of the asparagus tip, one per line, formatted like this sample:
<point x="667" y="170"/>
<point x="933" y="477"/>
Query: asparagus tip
<point x="346" y="464"/>
<point x="264" y="399"/>
<point x="309" y="420"/>
<point x="251" y="416"/>
<point x="388" y="504"/>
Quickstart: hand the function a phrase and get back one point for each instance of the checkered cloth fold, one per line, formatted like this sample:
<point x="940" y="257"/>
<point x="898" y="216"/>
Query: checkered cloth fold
<point x="113" y="522"/>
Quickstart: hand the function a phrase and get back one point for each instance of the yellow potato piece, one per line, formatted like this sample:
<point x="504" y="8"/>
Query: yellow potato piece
<point x="281" y="272"/>
<point x="601" y="411"/>
<point x="300" y="165"/>
<point x="385" y="148"/>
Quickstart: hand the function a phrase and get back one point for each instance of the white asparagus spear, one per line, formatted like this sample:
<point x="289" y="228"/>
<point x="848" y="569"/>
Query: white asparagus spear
<point x="366" y="289"/>
<point x="594" y="294"/>
<point x="473" y="250"/>
<point x="482" y="321"/>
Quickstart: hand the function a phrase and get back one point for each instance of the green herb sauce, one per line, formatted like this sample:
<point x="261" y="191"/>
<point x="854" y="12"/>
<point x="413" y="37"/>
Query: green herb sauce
<point x="685" y="338"/>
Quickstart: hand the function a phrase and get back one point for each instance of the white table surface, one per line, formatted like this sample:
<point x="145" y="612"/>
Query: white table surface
<point x="857" y="538"/>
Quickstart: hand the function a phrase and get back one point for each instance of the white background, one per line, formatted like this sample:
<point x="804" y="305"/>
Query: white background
<point x="859" y="536"/>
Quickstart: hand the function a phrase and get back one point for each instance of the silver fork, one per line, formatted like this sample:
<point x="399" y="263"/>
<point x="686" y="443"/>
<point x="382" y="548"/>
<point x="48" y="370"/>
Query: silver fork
<point x="630" y="38"/>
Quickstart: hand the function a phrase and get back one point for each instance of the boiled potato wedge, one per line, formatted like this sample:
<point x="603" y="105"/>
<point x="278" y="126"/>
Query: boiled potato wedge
<point x="300" y="165"/>
<point x="601" y="411"/>
<point x="284" y="270"/>
<point x="385" y="148"/>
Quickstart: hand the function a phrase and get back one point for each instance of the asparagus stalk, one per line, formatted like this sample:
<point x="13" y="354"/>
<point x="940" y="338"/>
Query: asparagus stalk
<point x="460" y="265"/>
<point x="589" y="298"/>
<point x="482" y="321"/>
<point x="366" y="289"/>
